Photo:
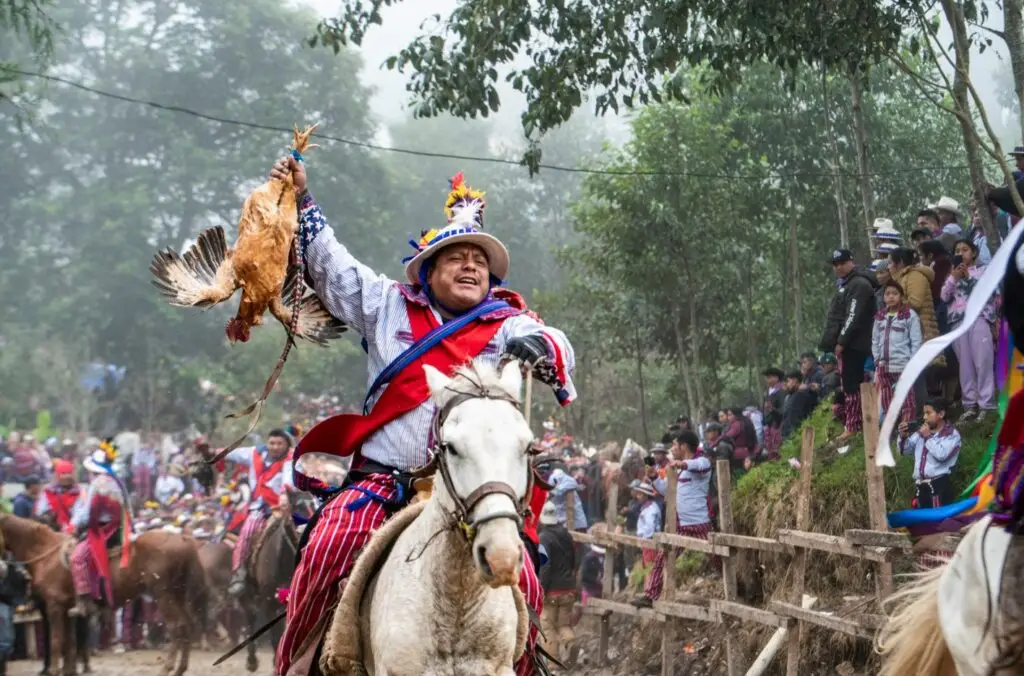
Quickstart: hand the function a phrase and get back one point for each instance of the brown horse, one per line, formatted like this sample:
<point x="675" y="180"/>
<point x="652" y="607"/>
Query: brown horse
<point x="215" y="558"/>
<point x="164" y="565"/>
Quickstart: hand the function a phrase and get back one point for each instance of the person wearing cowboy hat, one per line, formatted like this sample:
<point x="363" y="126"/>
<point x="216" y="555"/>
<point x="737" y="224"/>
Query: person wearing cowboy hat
<point x="171" y="484"/>
<point x="558" y="579"/>
<point x="648" y="523"/>
<point x="103" y="516"/>
<point x="453" y="283"/>
<point x="948" y="210"/>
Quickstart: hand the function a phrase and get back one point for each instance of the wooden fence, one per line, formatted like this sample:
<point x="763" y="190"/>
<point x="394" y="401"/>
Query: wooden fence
<point x="878" y="546"/>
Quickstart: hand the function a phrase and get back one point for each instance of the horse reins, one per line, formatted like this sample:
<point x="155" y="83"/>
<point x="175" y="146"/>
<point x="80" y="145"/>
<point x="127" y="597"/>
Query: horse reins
<point x="461" y="515"/>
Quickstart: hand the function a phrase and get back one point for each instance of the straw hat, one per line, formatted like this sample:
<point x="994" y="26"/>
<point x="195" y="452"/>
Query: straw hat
<point x="465" y="211"/>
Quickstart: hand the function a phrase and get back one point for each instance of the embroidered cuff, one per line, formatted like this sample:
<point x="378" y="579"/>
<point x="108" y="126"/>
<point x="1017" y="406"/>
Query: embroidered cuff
<point x="553" y="372"/>
<point x="311" y="221"/>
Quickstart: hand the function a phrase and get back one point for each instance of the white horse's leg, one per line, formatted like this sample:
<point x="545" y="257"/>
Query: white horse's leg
<point x="969" y="597"/>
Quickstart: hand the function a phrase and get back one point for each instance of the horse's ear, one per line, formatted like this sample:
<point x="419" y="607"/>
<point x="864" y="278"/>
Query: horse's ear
<point x="512" y="378"/>
<point x="437" y="383"/>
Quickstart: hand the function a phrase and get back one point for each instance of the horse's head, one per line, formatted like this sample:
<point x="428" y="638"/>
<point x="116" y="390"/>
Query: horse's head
<point x="483" y="460"/>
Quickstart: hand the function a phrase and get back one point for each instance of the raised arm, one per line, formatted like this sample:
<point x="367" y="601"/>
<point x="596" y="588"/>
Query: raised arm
<point x="350" y="291"/>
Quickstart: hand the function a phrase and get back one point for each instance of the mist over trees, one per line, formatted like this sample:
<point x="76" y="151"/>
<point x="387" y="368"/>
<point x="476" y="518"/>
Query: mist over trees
<point x="685" y="261"/>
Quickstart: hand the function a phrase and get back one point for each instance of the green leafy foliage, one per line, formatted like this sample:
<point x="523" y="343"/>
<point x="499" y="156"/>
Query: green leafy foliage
<point x="557" y="52"/>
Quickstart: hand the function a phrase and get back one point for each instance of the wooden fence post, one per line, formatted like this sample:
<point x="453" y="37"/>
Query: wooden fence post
<point x="803" y="520"/>
<point x="611" y="513"/>
<point x="668" y="586"/>
<point x="725" y="525"/>
<point x="876" y="480"/>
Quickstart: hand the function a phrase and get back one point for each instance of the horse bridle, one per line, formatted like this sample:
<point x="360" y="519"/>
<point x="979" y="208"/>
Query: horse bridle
<point x="464" y="506"/>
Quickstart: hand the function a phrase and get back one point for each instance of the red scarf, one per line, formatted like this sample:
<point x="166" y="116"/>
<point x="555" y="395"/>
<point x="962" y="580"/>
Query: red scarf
<point x="344" y="434"/>
<point x="264" y="475"/>
<point x="61" y="504"/>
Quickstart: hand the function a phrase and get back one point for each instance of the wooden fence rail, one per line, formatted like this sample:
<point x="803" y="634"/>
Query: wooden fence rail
<point x="877" y="546"/>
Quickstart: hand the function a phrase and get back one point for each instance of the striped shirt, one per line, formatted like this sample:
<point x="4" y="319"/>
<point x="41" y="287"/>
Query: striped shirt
<point x="375" y="307"/>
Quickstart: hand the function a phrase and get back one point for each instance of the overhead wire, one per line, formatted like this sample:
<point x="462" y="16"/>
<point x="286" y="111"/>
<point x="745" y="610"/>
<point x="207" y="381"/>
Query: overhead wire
<point x="455" y="156"/>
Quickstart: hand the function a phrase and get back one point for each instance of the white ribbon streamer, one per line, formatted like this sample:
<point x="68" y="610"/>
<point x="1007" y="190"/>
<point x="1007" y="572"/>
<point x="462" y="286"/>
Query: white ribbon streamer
<point x="986" y="286"/>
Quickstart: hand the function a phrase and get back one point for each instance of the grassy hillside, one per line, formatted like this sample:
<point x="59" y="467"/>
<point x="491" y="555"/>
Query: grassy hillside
<point x="764" y="500"/>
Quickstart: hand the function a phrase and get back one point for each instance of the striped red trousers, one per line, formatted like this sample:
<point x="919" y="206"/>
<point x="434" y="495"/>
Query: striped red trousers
<point x="885" y="383"/>
<point x="328" y="557"/>
<point x="252" y="525"/>
<point x="655" y="581"/>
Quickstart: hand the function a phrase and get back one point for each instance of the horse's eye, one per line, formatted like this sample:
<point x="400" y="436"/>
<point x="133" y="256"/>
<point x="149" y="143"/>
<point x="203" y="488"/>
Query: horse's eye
<point x="452" y="452"/>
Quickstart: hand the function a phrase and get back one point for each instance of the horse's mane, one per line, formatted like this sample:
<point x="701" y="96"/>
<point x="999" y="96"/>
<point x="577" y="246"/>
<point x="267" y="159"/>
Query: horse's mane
<point x="483" y="379"/>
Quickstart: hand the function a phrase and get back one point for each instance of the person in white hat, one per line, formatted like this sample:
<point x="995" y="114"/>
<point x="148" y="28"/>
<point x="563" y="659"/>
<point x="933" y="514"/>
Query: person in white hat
<point x="648" y="523"/>
<point x="452" y="287"/>
<point x="948" y="210"/>
<point x="103" y="516"/>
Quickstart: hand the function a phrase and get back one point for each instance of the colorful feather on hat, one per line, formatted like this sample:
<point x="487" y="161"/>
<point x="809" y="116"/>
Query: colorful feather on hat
<point x="465" y="206"/>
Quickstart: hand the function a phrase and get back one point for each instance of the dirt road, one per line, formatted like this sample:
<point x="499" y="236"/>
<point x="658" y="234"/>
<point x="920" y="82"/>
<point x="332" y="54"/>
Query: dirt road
<point x="150" y="663"/>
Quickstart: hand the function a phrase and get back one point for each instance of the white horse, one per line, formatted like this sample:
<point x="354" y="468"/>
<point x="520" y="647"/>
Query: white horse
<point x="965" y="617"/>
<point x="446" y="601"/>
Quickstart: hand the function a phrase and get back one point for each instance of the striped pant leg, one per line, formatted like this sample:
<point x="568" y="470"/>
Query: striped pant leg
<point x="82" y="569"/>
<point x="534" y="597"/>
<point x="655" y="580"/>
<point x="327" y="558"/>
<point x="853" y="418"/>
<point x="252" y="525"/>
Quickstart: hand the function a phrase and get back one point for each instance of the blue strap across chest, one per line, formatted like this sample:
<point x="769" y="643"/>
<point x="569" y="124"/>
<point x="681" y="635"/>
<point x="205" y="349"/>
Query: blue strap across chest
<point x="424" y="344"/>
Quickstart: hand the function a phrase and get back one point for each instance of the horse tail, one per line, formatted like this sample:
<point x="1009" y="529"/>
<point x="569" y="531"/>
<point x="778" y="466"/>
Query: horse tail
<point x="911" y="641"/>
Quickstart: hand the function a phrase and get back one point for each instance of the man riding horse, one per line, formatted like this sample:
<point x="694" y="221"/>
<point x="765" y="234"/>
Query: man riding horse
<point x="104" y="517"/>
<point x="57" y="502"/>
<point x="451" y="310"/>
<point x="270" y="479"/>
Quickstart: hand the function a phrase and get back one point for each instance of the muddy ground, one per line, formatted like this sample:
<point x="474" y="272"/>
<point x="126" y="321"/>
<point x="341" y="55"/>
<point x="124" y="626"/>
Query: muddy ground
<point x="150" y="663"/>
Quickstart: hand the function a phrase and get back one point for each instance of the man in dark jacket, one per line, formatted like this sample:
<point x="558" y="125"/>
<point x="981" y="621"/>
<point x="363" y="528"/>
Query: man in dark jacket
<point x="25" y="503"/>
<point x="848" y="332"/>
<point x="800" y="403"/>
<point x="558" y="579"/>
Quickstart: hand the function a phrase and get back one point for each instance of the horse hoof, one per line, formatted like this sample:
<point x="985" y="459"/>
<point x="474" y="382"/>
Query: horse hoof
<point x="252" y="664"/>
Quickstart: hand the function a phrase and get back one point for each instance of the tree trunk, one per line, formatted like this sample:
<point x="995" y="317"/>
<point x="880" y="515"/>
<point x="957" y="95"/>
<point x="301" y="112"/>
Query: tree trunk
<point x="835" y="165"/>
<point x="1013" y="32"/>
<point x="747" y="282"/>
<point x="643" y="390"/>
<point x="695" y="351"/>
<point x="860" y="135"/>
<point x="684" y="366"/>
<point x="794" y="256"/>
<point x="958" y="25"/>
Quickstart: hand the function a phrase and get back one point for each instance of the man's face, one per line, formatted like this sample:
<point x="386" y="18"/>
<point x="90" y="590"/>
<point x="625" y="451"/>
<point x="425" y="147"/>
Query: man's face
<point x="828" y="367"/>
<point x="883" y="276"/>
<point x="661" y="458"/>
<point x="933" y="418"/>
<point x="34" y="490"/>
<point x="66" y="480"/>
<point x="678" y="451"/>
<point x="928" y="223"/>
<point x="1019" y="161"/>
<point x="842" y="269"/>
<point x="277" y="447"/>
<point x="640" y="497"/>
<point x="711" y="436"/>
<point x="946" y="217"/>
<point x="792" y="384"/>
<point x="771" y="380"/>
<point x="807" y="364"/>
<point x="459" y="277"/>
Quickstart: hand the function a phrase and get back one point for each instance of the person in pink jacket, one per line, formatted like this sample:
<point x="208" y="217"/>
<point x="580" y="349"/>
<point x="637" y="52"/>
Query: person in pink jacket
<point x="974" y="349"/>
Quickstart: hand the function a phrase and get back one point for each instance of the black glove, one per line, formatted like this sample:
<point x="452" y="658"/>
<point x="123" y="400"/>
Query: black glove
<point x="531" y="350"/>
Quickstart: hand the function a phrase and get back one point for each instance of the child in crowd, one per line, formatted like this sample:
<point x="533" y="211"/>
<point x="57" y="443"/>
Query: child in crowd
<point x="936" y="447"/>
<point x="894" y="340"/>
